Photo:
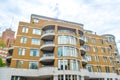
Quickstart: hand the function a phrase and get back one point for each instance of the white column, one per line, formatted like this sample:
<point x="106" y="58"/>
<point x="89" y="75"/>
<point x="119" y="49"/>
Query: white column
<point x="82" y="77"/>
<point x="113" y="78"/>
<point x="55" y="77"/>
<point x="105" y="78"/>
<point x="18" y="78"/>
<point x="78" y="77"/>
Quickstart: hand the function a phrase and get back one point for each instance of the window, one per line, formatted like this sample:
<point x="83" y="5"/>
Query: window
<point x="101" y="41"/>
<point x="36" y="31"/>
<point x="21" y="51"/>
<point x="109" y="51"/>
<point x="23" y="40"/>
<point x="67" y="51"/>
<point x="111" y="39"/>
<point x="60" y="77"/>
<point x="87" y="47"/>
<point x="111" y="59"/>
<point x="98" y="68"/>
<point x="67" y="64"/>
<point x="63" y="39"/>
<point x="35" y="41"/>
<point x="90" y="68"/>
<point x="33" y="65"/>
<point x="97" y="58"/>
<point x="102" y="50"/>
<point x="68" y="77"/>
<point x="36" y="20"/>
<point x="95" y="49"/>
<point x="19" y="64"/>
<point x="113" y="69"/>
<point x="89" y="58"/>
<point x="93" y="40"/>
<point x="34" y="52"/>
<point x="105" y="59"/>
<point x="107" y="69"/>
<point x="85" y="38"/>
<point x="25" y="29"/>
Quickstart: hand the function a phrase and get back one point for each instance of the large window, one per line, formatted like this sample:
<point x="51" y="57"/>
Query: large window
<point x="67" y="51"/>
<point x="113" y="69"/>
<point x="25" y="29"/>
<point x="98" y="68"/>
<point x="93" y="40"/>
<point x="19" y="64"/>
<point x="102" y="50"/>
<point x="85" y="38"/>
<point x="107" y="69"/>
<point x="23" y="40"/>
<point x="111" y="39"/>
<point x="36" y="20"/>
<point x="109" y="51"/>
<point x="34" y="52"/>
<point x="87" y="47"/>
<point x="97" y="58"/>
<point x="35" y="41"/>
<point x="36" y="31"/>
<point x="105" y="59"/>
<point x="88" y="57"/>
<point x="68" y="77"/>
<point x="90" y="68"/>
<point x="21" y="51"/>
<point x="101" y="41"/>
<point x="64" y="39"/>
<point x="95" y="49"/>
<point x="33" y="65"/>
<point x="67" y="64"/>
<point x="111" y="59"/>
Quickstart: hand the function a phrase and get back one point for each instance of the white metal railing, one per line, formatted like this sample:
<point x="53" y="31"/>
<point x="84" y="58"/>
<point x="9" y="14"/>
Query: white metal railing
<point x="66" y="31"/>
<point x="48" y="54"/>
<point x="48" y="42"/>
<point x="48" y="31"/>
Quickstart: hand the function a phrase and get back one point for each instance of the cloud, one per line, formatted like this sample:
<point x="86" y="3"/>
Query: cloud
<point x="100" y="16"/>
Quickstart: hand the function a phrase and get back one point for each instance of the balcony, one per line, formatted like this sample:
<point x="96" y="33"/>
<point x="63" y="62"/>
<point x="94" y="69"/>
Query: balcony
<point x="48" y="35"/>
<point x="83" y="51"/>
<point x="84" y="61"/>
<point x="8" y="57"/>
<point x="47" y="57"/>
<point x="117" y="60"/>
<point x="48" y="46"/>
<point x="81" y="40"/>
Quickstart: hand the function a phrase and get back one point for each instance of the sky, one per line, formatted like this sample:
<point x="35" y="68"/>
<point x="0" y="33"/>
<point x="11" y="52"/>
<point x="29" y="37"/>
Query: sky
<point x="101" y="16"/>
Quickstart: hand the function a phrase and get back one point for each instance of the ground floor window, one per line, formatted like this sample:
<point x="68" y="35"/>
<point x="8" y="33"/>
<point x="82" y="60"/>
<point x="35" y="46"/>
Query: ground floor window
<point x="18" y="78"/>
<point x="68" y="77"/>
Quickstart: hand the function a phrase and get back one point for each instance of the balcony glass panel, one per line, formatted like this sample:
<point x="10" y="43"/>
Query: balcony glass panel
<point x="67" y="31"/>
<point x="48" y="54"/>
<point x="48" y="42"/>
<point x="48" y="31"/>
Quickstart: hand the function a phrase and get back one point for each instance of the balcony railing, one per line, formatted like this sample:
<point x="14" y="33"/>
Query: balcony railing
<point x="48" y="31"/>
<point x="48" y="42"/>
<point x="66" y="31"/>
<point x="48" y="54"/>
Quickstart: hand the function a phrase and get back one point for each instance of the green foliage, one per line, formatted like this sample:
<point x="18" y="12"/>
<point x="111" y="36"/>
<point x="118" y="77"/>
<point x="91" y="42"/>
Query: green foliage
<point x="2" y="44"/>
<point x="1" y="63"/>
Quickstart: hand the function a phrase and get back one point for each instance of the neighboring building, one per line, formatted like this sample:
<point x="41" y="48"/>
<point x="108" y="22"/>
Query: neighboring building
<point x="3" y="54"/>
<point x="8" y="37"/>
<point x="53" y="49"/>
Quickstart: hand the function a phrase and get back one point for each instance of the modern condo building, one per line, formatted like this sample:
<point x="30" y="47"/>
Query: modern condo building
<point x="53" y="49"/>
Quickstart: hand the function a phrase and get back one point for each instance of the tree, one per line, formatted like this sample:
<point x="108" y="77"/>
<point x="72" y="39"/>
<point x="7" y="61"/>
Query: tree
<point x="2" y="44"/>
<point x="1" y="63"/>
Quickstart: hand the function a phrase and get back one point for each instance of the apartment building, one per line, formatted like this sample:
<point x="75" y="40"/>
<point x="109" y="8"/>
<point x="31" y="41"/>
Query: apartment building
<point x="54" y="49"/>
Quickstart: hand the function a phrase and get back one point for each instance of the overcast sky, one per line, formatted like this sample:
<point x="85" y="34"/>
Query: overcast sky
<point x="101" y="16"/>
